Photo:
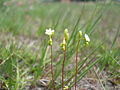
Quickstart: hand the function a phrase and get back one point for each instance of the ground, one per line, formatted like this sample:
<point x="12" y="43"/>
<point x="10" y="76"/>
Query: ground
<point x="23" y="42"/>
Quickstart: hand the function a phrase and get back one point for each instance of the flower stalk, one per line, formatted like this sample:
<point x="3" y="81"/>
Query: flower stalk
<point x="50" y="33"/>
<point x="63" y="65"/>
<point x="52" y="73"/>
<point x="76" y="59"/>
<point x="76" y="64"/>
<point x="64" y="45"/>
<point x="87" y="40"/>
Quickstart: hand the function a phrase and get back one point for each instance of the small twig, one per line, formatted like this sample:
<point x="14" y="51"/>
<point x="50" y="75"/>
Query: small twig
<point x="99" y="79"/>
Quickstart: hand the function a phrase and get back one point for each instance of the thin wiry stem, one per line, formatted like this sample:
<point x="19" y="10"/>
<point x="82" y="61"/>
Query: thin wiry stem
<point x="76" y="62"/>
<point x="63" y="68"/>
<point x="52" y="73"/>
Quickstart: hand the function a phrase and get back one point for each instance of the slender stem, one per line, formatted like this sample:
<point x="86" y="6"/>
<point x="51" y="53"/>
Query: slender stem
<point x="63" y="68"/>
<point x="52" y="73"/>
<point x="76" y="62"/>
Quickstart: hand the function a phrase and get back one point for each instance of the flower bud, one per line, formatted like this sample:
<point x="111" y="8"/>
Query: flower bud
<point x="86" y="43"/>
<point x="80" y="34"/>
<point x="63" y="44"/>
<point x="50" y="42"/>
<point x="66" y="34"/>
<point x="64" y="47"/>
<point x="66" y="88"/>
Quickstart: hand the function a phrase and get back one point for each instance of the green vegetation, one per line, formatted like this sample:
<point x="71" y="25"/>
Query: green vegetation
<point x="24" y="50"/>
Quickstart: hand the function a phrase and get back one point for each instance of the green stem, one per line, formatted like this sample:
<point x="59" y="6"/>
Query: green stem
<point x="76" y="61"/>
<point x="63" y="68"/>
<point x="52" y="73"/>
